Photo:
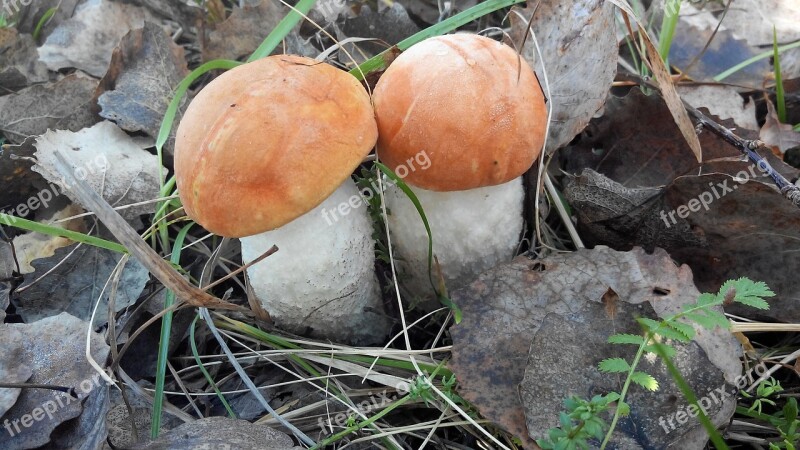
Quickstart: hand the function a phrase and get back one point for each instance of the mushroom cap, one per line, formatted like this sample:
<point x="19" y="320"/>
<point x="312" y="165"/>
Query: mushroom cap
<point x="268" y="141"/>
<point x="470" y="103"/>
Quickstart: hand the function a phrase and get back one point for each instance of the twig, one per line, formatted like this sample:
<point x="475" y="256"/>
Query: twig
<point x="749" y="148"/>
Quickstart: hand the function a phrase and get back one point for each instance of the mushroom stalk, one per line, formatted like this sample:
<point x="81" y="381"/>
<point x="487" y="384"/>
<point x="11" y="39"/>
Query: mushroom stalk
<point x="321" y="282"/>
<point x="472" y="230"/>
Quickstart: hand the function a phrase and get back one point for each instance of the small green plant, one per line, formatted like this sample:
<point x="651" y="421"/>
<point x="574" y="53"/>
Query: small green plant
<point x="785" y="420"/>
<point x="582" y="421"/>
<point x="765" y="389"/>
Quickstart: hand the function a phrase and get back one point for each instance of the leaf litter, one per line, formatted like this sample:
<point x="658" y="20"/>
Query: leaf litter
<point x="532" y="330"/>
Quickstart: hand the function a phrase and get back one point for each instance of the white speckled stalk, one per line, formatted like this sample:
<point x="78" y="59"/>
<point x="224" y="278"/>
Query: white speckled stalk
<point x="472" y="230"/>
<point x="321" y="282"/>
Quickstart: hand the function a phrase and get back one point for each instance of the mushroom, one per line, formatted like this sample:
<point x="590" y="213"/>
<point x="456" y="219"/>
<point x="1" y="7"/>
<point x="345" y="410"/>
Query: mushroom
<point x="261" y="153"/>
<point x="476" y="110"/>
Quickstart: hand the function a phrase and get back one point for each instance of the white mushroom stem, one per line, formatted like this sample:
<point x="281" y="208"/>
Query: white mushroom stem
<point x="472" y="230"/>
<point x="321" y="282"/>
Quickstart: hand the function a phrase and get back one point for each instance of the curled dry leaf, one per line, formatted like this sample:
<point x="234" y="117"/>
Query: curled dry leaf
<point x="63" y="105"/>
<point x="779" y="136"/>
<point x="724" y="218"/>
<point x="579" y="49"/>
<point x="517" y="316"/>
<point x="109" y="160"/>
<point x="88" y="38"/>
<point x="55" y="350"/>
<point x="145" y="68"/>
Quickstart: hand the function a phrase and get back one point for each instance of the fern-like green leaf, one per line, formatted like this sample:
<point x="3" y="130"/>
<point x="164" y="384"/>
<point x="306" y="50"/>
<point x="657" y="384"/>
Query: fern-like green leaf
<point x="748" y="292"/>
<point x="614" y="365"/>
<point x="685" y="329"/>
<point x="648" y="324"/>
<point x="645" y="380"/>
<point x="665" y="349"/>
<point x="670" y="333"/>
<point x="626" y="339"/>
<point x="705" y="300"/>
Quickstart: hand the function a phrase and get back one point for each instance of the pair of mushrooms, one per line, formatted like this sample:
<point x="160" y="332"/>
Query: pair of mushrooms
<point x="265" y="153"/>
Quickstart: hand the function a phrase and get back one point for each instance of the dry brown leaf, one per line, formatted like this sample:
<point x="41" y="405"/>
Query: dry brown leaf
<point x="664" y="80"/>
<point x="145" y="69"/>
<point x="779" y="136"/>
<point x="545" y="319"/>
<point x="21" y="65"/>
<point x="579" y="49"/>
<point x="55" y="348"/>
<point x="88" y="38"/>
<point x="64" y="105"/>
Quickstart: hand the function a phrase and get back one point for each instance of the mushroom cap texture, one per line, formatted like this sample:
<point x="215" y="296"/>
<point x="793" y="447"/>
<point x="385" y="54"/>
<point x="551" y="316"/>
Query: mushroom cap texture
<point x="470" y="103"/>
<point x="267" y="141"/>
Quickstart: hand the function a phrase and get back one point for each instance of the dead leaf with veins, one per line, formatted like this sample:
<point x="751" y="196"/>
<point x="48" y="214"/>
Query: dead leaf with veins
<point x="145" y="68"/>
<point x="87" y="40"/>
<point x="109" y="160"/>
<point x="63" y="105"/>
<point x="54" y="348"/>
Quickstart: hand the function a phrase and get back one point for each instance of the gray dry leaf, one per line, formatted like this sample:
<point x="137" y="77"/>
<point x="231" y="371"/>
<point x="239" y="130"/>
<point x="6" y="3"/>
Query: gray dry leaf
<point x="13" y="368"/>
<point x="580" y="55"/>
<point x="7" y="269"/>
<point x="220" y="432"/>
<point x="87" y="40"/>
<point x="109" y="160"/>
<point x="753" y="20"/>
<point x="390" y="26"/>
<point x="533" y="332"/>
<point x="29" y="15"/>
<point x="144" y="70"/>
<point x="55" y="349"/>
<point x="723" y="102"/>
<point x="779" y="136"/>
<point x="22" y="66"/>
<point x="74" y="285"/>
<point x="63" y="105"/>
<point x="244" y="30"/>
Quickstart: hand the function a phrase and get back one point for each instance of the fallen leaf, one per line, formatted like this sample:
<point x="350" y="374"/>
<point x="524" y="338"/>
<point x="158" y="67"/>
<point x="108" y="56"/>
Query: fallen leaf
<point x="244" y="30"/>
<point x="28" y="16"/>
<point x="430" y="11"/>
<point x="579" y="49"/>
<point x="73" y="279"/>
<point x="216" y="432"/>
<point x="63" y="105"/>
<point x="108" y="159"/>
<point x="389" y="26"/>
<point x="18" y="181"/>
<point x="144" y="71"/>
<point x="87" y="40"/>
<point x="779" y="136"/>
<point x="13" y="368"/>
<point x="515" y="314"/>
<point x="22" y="66"/>
<point x="32" y="246"/>
<point x="723" y="102"/>
<point x="55" y="350"/>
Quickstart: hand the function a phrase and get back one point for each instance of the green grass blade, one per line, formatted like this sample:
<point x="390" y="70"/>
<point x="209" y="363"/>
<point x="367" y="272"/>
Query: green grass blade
<point x="672" y="9"/>
<point x="163" y="344"/>
<point x="283" y="28"/>
<point x="779" y="93"/>
<point x="692" y="399"/>
<point x="45" y="17"/>
<point x="24" y="224"/>
<point x="754" y="59"/>
<point x="211" y="382"/>
<point x="379" y="62"/>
